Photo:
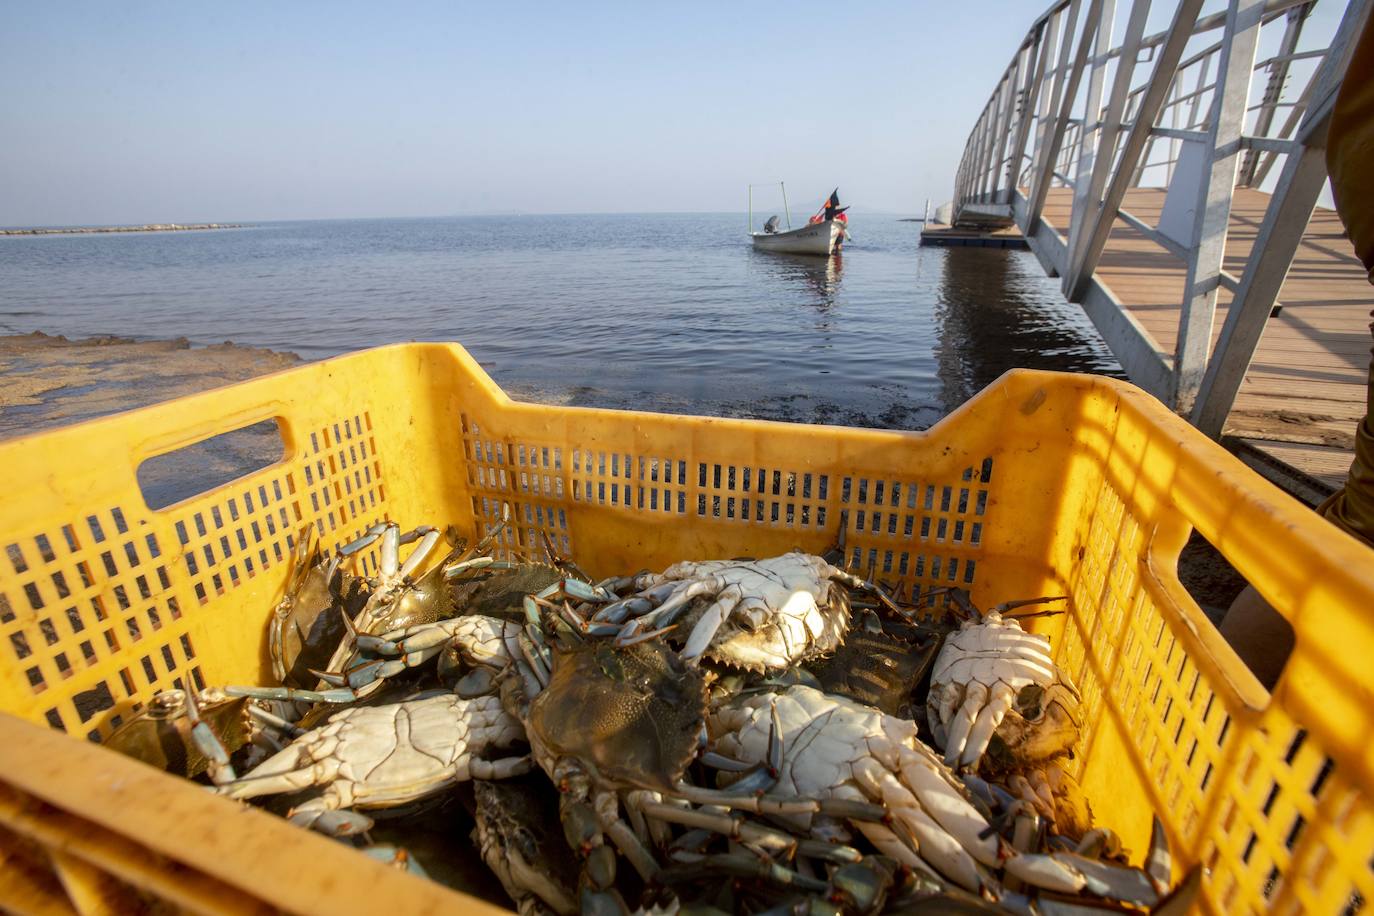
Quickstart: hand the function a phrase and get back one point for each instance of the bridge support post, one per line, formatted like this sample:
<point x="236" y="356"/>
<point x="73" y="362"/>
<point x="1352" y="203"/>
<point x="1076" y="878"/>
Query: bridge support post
<point x="1214" y="200"/>
<point x="1285" y="221"/>
<point x="1064" y="99"/>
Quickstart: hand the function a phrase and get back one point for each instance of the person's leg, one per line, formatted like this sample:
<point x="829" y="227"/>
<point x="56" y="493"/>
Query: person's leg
<point x="1259" y="634"/>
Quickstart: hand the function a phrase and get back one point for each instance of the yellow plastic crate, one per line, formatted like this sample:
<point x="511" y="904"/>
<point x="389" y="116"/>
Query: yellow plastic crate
<point x="1043" y="484"/>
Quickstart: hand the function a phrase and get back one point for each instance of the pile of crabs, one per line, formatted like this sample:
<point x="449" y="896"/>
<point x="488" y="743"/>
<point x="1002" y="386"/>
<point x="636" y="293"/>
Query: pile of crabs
<point x="741" y="735"/>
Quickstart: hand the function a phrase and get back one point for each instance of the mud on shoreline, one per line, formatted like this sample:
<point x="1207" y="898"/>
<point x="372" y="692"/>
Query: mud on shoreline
<point x="48" y="381"/>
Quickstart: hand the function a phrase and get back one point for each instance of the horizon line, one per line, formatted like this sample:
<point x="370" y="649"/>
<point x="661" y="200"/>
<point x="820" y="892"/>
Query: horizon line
<point x="484" y="213"/>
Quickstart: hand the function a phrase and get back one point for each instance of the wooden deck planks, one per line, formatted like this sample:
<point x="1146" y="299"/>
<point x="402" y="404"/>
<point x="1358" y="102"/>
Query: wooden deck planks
<point x="1305" y="390"/>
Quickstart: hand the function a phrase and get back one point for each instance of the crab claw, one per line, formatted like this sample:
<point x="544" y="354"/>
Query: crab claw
<point x="630" y="634"/>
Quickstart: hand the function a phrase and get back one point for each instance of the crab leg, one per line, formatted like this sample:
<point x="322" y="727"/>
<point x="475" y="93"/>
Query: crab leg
<point x="743" y="830"/>
<point x="635" y="605"/>
<point x="947" y="806"/>
<point x="391" y="551"/>
<point x="415" y="534"/>
<point x="583" y="626"/>
<point x="619" y="583"/>
<point x="386" y="587"/>
<point x="934" y="844"/>
<point x="631" y="848"/>
<point x="299" y="559"/>
<point x="497" y="530"/>
<point x="366" y="674"/>
<point x="529" y="681"/>
<point x="293" y="694"/>
<point x="530" y="653"/>
<point x="281" y="773"/>
<point x="889" y="844"/>
<point x="367" y="540"/>
<point x="619" y="611"/>
<point x="275" y="721"/>
<point x="680" y="598"/>
<point x="217" y="758"/>
<point x="728" y="764"/>
<point x="397" y="857"/>
<point x="557" y="561"/>
<point x="630" y="634"/>
<point x="758" y="777"/>
<point x="863" y="585"/>
<point x="480" y="640"/>
<point x="734" y="827"/>
<point x="575" y="588"/>
<point x="653" y="832"/>
<point x="758" y="804"/>
<point x="710" y="622"/>
<point x="318" y="814"/>
<point x="420" y="553"/>
<point x="839" y="853"/>
<point x="691" y="843"/>
<point x="744" y="867"/>
<point x="531" y="605"/>
<point x="454" y="570"/>
<point x="1158" y="861"/>
<point x="999" y="703"/>
<point x="1027" y="602"/>
<point x="295" y="579"/>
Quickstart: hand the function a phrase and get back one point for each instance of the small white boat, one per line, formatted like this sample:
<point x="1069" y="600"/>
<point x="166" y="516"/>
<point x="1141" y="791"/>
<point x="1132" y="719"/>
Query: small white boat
<point x="822" y="238"/>
<point x="815" y="238"/>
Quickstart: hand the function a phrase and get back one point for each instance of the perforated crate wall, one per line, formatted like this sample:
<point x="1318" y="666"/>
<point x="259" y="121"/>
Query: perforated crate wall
<point x="107" y="608"/>
<point x="901" y="530"/>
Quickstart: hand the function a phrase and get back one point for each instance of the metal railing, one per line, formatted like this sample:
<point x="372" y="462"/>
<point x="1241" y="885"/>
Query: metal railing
<point x="1171" y="109"/>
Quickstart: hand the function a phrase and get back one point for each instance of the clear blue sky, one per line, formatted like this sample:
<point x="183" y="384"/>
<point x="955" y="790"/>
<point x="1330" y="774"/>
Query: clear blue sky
<point x="144" y="111"/>
<point x="128" y="112"/>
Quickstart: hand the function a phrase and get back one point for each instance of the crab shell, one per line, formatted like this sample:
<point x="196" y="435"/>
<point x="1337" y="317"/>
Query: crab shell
<point x="631" y="716"/>
<point x="428" y="600"/>
<point x="501" y="593"/>
<point x="310" y="622"/>
<point x="755" y="638"/>
<point x="1042" y="725"/>
<point x="516" y="832"/>
<point x="877" y="669"/>
<point x="160" y="735"/>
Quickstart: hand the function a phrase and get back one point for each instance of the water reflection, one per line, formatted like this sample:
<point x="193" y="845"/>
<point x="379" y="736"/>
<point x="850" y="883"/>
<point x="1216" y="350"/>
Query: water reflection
<point x="650" y="312"/>
<point x="817" y="278"/>
<point x="990" y="317"/>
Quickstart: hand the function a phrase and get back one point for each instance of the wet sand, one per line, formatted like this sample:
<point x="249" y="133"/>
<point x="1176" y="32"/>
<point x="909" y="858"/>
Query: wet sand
<point x="52" y="381"/>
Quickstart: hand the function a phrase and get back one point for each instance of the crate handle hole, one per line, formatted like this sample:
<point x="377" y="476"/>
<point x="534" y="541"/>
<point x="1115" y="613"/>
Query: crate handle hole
<point x="200" y="467"/>
<point x="1261" y="636"/>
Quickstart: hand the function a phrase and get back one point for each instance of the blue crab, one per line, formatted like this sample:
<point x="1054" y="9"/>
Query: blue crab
<point x="386" y="756"/>
<point x="755" y="615"/>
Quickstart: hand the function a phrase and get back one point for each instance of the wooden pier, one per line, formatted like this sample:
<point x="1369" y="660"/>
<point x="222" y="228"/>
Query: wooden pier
<point x="954" y="237"/>
<point x="1304" y="391"/>
<point x="1171" y="181"/>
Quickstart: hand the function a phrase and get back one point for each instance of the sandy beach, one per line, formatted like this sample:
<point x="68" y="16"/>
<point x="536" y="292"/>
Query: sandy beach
<point x="52" y="381"/>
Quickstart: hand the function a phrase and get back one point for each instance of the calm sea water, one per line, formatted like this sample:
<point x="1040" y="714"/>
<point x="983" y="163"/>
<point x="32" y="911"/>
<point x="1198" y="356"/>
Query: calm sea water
<point x="661" y="312"/>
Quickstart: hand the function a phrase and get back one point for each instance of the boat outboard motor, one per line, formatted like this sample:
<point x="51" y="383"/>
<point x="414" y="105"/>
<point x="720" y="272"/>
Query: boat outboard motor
<point x="771" y="226"/>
